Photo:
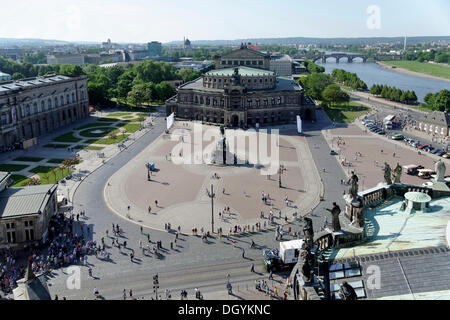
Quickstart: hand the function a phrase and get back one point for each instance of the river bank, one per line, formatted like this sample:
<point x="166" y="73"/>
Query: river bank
<point x="409" y="72"/>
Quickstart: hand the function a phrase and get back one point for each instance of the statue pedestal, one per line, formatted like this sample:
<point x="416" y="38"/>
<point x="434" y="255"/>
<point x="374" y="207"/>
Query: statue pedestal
<point x="354" y="211"/>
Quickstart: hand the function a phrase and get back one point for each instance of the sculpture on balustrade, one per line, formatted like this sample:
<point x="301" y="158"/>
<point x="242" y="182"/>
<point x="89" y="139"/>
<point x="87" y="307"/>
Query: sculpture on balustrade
<point x="346" y="292"/>
<point x="439" y="167"/>
<point x="353" y="182"/>
<point x="308" y="265"/>
<point x="309" y="232"/>
<point x="397" y="173"/>
<point x="335" y="212"/>
<point x="387" y="173"/>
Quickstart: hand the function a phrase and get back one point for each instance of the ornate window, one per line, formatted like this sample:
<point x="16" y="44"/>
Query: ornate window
<point x="207" y="101"/>
<point x="49" y="104"/>
<point x="35" y="108"/>
<point x="27" y="110"/>
<point x="201" y="100"/>
<point x="73" y="97"/>
<point x="56" y="102"/>
<point x="196" y="99"/>
<point x="42" y="106"/>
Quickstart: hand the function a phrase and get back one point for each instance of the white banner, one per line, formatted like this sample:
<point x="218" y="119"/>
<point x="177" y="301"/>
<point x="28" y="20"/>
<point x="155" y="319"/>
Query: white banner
<point x="299" y="124"/>
<point x="170" y="120"/>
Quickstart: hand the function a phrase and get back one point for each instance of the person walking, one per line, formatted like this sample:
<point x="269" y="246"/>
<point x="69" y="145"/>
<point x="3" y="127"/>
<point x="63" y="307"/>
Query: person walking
<point x="243" y="253"/>
<point x="252" y="268"/>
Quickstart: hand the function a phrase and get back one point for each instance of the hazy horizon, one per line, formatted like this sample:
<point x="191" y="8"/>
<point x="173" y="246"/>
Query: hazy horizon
<point x="141" y="21"/>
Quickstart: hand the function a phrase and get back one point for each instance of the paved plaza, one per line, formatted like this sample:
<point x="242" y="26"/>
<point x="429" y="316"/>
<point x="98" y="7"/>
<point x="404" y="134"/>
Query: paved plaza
<point x="180" y="189"/>
<point x="367" y="153"/>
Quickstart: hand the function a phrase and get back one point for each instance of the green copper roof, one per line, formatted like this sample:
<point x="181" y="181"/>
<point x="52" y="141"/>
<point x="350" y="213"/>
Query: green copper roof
<point x="243" y="71"/>
<point x="417" y="197"/>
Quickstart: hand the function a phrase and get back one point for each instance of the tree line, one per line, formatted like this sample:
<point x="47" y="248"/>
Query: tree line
<point x="322" y="87"/>
<point x="349" y="79"/>
<point x="439" y="101"/>
<point x="394" y="94"/>
<point x="138" y="84"/>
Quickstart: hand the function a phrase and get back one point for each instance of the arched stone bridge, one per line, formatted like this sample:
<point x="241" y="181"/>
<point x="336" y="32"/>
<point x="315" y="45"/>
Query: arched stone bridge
<point x="338" y="56"/>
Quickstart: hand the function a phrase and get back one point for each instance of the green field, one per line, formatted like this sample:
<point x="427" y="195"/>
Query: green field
<point x="346" y="113"/>
<point x="50" y="175"/>
<point x="108" y="120"/>
<point x="57" y="161"/>
<point x="28" y="159"/>
<point x="422" y="67"/>
<point x="132" y="127"/>
<point x="92" y="125"/>
<point x="57" y="146"/>
<point x="89" y="134"/>
<point x="94" y="148"/>
<point x="18" y="180"/>
<point x="68" y="137"/>
<point x="12" y="167"/>
<point x="121" y="114"/>
<point x="108" y="140"/>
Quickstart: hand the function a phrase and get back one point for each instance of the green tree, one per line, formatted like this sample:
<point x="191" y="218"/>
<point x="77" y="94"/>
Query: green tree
<point x="315" y="83"/>
<point x="333" y="94"/>
<point x="442" y="100"/>
<point x="17" y="76"/>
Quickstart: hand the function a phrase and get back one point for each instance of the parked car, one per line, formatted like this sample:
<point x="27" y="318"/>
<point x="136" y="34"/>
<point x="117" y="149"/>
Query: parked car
<point x="440" y="153"/>
<point x="422" y="146"/>
<point x="397" y="137"/>
<point x="333" y="153"/>
<point x="381" y="132"/>
<point x="446" y="155"/>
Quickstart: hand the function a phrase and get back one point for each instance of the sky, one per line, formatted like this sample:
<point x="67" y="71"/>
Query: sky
<point x="140" y="21"/>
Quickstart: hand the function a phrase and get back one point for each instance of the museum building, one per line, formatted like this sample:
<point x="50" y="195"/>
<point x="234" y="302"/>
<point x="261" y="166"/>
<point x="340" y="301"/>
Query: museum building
<point x="243" y="95"/>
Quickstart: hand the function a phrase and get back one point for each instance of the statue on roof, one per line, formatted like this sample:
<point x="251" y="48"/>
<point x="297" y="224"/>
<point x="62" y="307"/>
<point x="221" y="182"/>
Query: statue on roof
<point x="346" y="292"/>
<point x="236" y="77"/>
<point x="309" y="232"/>
<point x="397" y="173"/>
<point x="335" y="212"/>
<point x="353" y="182"/>
<point x="387" y="173"/>
<point x="439" y="167"/>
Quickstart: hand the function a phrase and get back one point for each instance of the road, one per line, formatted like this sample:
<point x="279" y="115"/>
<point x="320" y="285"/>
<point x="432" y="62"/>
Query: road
<point x="384" y="110"/>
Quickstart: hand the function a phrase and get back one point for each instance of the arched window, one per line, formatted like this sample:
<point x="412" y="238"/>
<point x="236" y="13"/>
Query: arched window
<point x="73" y="97"/>
<point x="61" y="100"/>
<point x="49" y="104"/>
<point x="42" y="106"/>
<point x="56" y="102"/>
<point x="27" y="110"/>
<point x="67" y="99"/>
<point x="35" y="108"/>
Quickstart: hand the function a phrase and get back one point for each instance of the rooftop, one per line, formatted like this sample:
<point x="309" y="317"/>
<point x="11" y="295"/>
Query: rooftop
<point x="243" y="71"/>
<point x="24" y="200"/>
<point x="283" y="84"/>
<point x="390" y="229"/>
<point x="30" y="82"/>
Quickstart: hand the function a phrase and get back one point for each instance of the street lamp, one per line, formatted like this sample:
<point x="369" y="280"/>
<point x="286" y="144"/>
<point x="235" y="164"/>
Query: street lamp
<point x="155" y="286"/>
<point x="211" y="194"/>
<point x="280" y="172"/>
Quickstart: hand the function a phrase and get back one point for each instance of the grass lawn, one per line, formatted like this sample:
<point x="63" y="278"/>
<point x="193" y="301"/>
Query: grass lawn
<point x="120" y="114"/>
<point x="108" y="119"/>
<point x="57" y="146"/>
<point x="12" y="167"/>
<point x="68" y="137"/>
<point x="57" y="161"/>
<point x="80" y="146"/>
<point x="18" y="180"/>
<point x="92" y="125"/>
<point x="422" y="67"/>
<point x="89" y="134"/>
<point x="94" y="148"/>
<point x="29" y="159"/>
<point x="346" y="113"/>
<point x="108" y="140"/>
<point x="132" y="127"/>
<point x="50" y="175"/>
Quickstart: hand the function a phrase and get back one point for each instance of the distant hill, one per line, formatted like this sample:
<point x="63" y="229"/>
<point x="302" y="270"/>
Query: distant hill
<point x="10" y="42"/>
<point x="304" y="40"/>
